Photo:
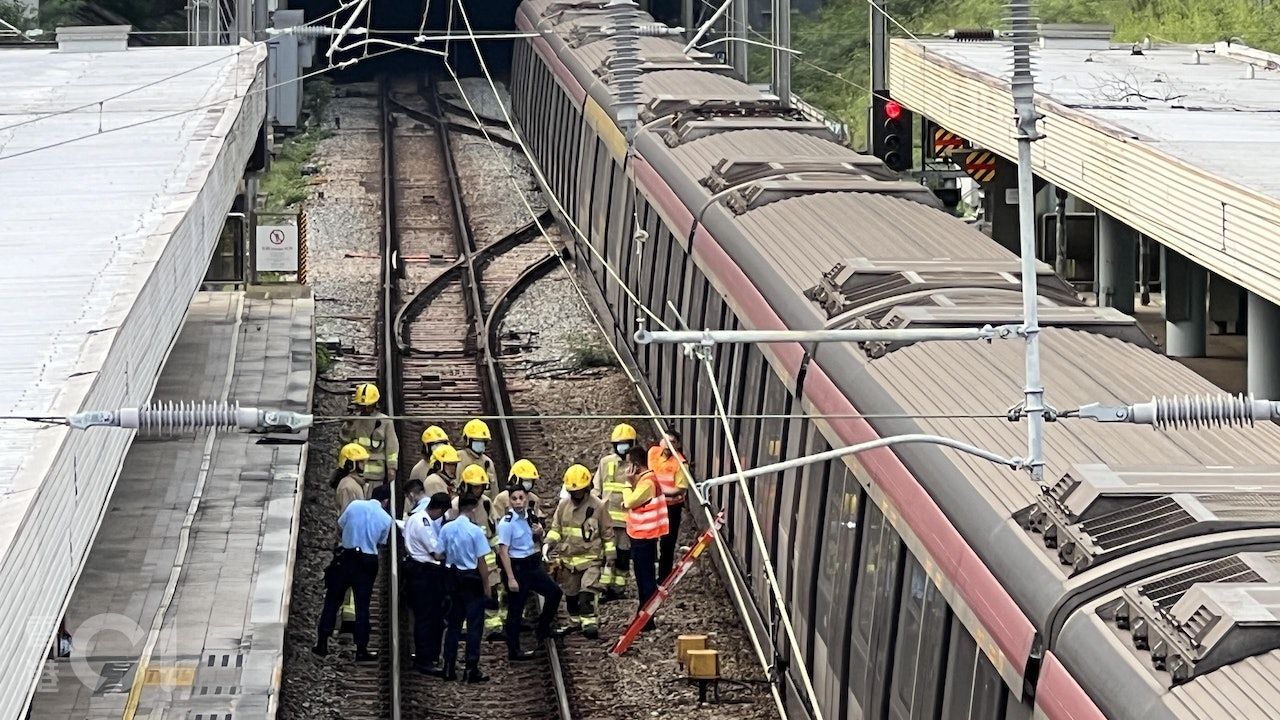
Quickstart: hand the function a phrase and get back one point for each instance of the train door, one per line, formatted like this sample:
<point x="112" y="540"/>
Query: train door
<point x="875" y="612"/>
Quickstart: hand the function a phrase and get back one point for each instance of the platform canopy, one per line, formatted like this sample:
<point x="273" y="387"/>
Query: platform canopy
<point x="117" y="170"/>
<point x="1176" y="141"/>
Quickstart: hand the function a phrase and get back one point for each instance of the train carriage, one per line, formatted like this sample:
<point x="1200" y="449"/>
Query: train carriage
<point x="922" y="583"/>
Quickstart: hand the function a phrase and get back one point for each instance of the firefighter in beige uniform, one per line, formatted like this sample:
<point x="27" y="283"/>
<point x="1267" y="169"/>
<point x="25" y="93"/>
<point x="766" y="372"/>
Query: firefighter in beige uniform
<point x="432" y="438"/>
<point x="475" y="441"/>
<point x="581" y="537"/>
<point x="440" y="473"/>
<point x="610" y="483"/>
<point x="375" y="432"/>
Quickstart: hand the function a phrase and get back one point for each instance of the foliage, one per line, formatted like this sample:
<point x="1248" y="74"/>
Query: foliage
<point x="589" y="351"/>
<point x="834" y="67"/>
<point x="284" y="185"/>
<point x="17" y="14"/>
<point x="324" y="359"/>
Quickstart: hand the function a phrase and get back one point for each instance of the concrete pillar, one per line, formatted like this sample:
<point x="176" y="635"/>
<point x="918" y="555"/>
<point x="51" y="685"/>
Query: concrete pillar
<point x="1264" y="347"/>
<point x="1116" y="255"/>
<point x="1185" y="286"/>
<point x="1002" y="214"/>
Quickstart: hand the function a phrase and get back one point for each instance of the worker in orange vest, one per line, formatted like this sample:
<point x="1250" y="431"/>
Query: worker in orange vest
<point x="647" y="522"/>
<point x="665" y="460"/>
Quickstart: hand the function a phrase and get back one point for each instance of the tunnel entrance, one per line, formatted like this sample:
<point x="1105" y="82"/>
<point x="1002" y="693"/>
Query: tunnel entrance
<point x="402" y="21"/>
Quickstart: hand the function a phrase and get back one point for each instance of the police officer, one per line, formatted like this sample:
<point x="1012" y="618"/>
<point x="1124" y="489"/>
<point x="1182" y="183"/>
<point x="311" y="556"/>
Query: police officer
<point x="465" y="547"/>
<point x="475" y="483"/>
<point x="365" y="525"/>
<point x="522" y="566"/>
<point x="426" y="574"/>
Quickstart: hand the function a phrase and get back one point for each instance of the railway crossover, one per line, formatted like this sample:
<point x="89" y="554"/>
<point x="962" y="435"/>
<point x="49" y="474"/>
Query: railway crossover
<point x="445" y="292"/>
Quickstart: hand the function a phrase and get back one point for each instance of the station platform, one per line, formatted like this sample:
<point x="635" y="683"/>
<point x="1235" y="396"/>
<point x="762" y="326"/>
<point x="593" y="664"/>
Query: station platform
<point x="180" y="609"/>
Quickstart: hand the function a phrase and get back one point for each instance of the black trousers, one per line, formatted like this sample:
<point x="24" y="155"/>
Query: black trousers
<point x="644" y="553"/>
<point x="533" y="578"/>
<point x="356" y="571"/>
<point x="667" y="543"/>
<point x="466" y="606"/>
<point x="429" y="596"/>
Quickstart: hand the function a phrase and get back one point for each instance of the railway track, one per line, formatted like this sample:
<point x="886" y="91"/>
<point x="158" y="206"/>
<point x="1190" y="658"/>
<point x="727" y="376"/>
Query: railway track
<point x="445" y="295"/>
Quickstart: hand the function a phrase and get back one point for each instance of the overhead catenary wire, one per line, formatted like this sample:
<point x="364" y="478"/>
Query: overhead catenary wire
<point x="735" y="591"/>
<point x="703" y="503"/>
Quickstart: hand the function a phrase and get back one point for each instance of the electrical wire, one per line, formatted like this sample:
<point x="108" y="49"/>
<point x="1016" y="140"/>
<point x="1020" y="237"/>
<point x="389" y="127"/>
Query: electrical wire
<point x="458" y="417"/>
<point x="204" y="106"/>
<point x="654" y="416"/>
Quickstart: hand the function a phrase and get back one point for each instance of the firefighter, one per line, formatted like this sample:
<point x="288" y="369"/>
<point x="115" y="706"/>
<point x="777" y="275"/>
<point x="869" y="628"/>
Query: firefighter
<point x="375" y="432"/>
<point x="475" y="440"/>
<point x="441" y="474"/>
<point x="432" y="438"/>
<point x="610" y="485"/>
<point x="523" y="474"/>
<point x="581" y="535"/>
<point x="349" y="485"/>
<point x="475" y="483"/>
<point x="665" y="461"/>
<point x="647" y="523"/>
<point x="348" y="481"/>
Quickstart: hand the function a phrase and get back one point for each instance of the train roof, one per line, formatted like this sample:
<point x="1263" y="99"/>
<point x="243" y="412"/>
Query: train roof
<point x="830" y="239"/>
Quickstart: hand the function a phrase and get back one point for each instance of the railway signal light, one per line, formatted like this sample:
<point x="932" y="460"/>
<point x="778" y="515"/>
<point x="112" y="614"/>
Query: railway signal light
<point x="891" y="132"/>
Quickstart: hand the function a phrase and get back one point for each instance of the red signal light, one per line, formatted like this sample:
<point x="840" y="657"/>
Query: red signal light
<point x="892" y="109"/>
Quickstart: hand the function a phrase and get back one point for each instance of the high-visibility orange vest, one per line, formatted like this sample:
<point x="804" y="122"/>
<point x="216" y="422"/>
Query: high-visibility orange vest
<point x="649" y="521"/>
<point x="666" y="469"/>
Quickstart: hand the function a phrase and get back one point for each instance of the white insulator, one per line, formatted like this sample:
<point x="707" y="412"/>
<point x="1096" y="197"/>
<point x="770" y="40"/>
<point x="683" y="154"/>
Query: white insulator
<point x="172" y="418"/>
<point x="1202" y="411"/>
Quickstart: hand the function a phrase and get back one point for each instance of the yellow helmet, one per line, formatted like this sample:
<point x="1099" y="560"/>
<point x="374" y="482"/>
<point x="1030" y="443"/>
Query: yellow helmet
<point x="475" y="475"/>
<point x="433" y="434"/>
<point x="476" y="430"/>
<point x="524" y="470"/>
<point x="577" y="477"/>
<point x="444" y="454"/>
<point x="366" y="394"/>
<point x="623" y="433"/>
<point x="352" y="452"/>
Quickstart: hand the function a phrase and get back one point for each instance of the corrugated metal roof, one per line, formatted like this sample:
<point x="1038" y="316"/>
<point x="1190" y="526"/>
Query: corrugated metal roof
<point x="1178" y="151"/>
<point x="699" y="156"/>
<point x="1207" y="114"/>
<point x="117" y="170"/>
<point x="1247" y="689"/>
<point x="1078" y="368"/>
<point x="826" y="228"/>
<point x="695" y="83"/>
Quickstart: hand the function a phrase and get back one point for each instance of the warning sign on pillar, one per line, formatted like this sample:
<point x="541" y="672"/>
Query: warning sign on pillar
<point x="277" y="247"/>
<point x="981" y="165"/>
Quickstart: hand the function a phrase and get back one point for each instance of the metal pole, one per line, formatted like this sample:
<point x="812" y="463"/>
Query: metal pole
<point x="739" y="27"/>
<point x="879" y="45"/>
<point x="1060" y="241"/>
<point x="714" y="337"/>
<point x="1023" y="91"/>
<point x="720" y="11"/>
<point x="862" y="447"/>
<point x="782" y="58"/>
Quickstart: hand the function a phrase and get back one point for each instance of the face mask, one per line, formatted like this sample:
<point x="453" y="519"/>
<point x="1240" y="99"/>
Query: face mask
<point x="477" y="446"/>
<point x="578" y="495"/>
<point x="527" y="485"/>
<point x="621" y="448"/>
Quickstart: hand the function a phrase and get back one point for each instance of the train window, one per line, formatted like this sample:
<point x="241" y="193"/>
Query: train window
<point x="788" y="502"/>
<point x="922" y="635"/>
<point x="677" y="294"/>
<point x="599" y="198"/>
<point x="809" y="535"/>
<point x="768" y="450"/>
<point x="962" y="656"/>
<point x="875" y="608"/>
<point x="988" y="691"/>
<point x="837" y="562"/>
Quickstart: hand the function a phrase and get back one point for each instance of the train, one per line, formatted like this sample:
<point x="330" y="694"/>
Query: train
<point x="1138" y="581"/>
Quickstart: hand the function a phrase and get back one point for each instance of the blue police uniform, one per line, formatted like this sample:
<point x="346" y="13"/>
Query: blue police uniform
<point x="526" y="564"/>
<point x="365" y="525"/>
<point x="465" y="546"/>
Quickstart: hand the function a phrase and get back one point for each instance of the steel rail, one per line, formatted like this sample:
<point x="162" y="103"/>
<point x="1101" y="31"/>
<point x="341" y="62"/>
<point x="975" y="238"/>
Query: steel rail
<point x="486" y="341"/>
<point x="390" y="368"/>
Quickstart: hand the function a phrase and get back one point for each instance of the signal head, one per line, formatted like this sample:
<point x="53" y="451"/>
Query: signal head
<point x="892" y="109"/>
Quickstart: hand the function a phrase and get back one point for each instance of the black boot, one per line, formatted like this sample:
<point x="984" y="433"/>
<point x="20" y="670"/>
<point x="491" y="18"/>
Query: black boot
<point x="449" y="672"/>
<point x="321" y="648"/>
<point x="365" y="655"/>
<point x="475" y="676"/>
<point x="521" y="655"/>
